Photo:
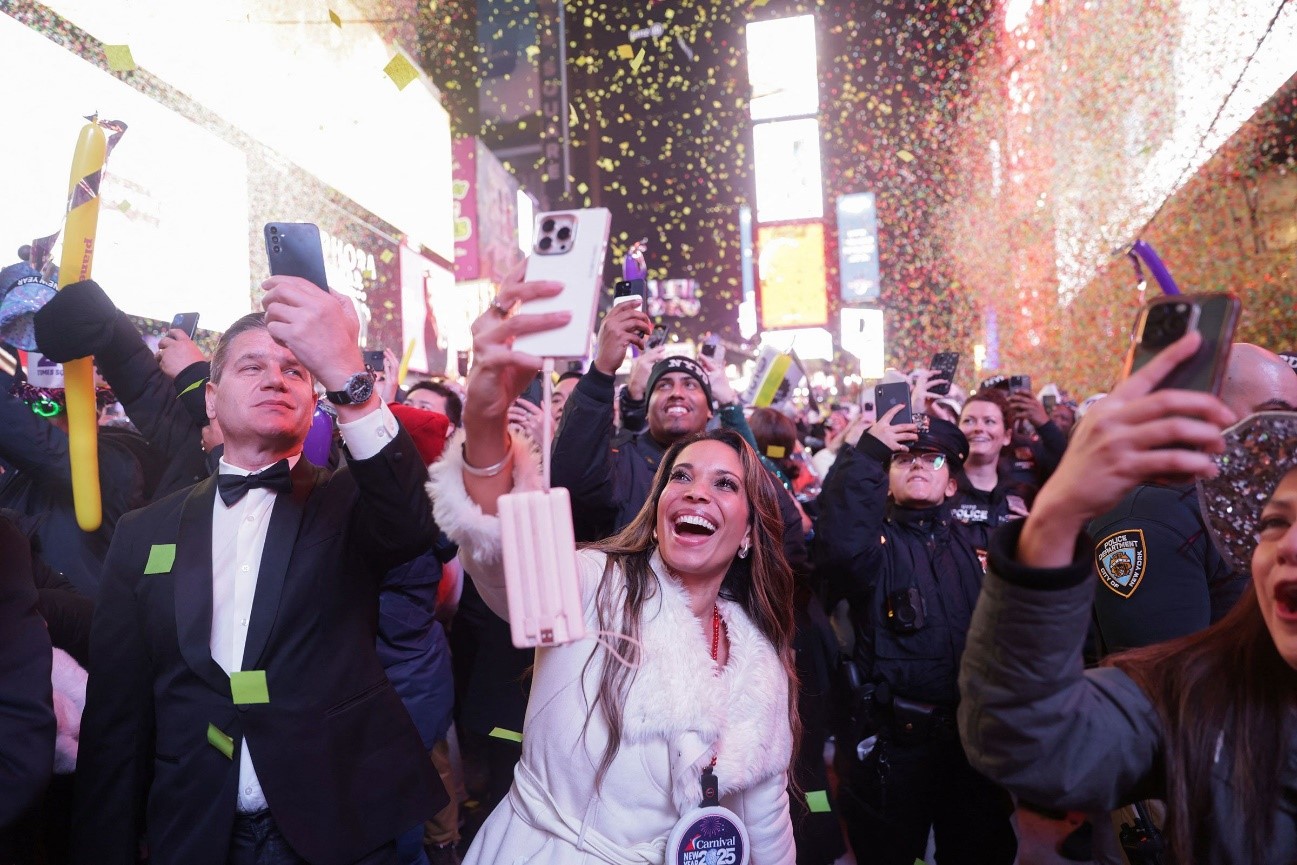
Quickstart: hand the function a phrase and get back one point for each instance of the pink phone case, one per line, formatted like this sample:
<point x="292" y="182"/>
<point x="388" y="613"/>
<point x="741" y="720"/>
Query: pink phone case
<point x="541" y="579"/>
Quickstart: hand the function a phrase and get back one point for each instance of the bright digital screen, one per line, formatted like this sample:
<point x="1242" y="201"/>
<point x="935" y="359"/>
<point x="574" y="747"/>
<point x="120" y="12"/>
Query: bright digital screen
<point x="314" y="92"/>
<point x="782" y="67"/>
<point x="858" y="248"/>
<point x="790" y="276"/>
<point x="787" y="158"/>
<point x="862" y="335"/>
<point x="173" y="220"/>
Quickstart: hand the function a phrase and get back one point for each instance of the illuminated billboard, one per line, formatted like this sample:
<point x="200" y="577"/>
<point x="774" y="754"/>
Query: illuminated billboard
<point x="787" y="158"/>
<point x="791" y="288"/>
<point x="858" y="248"/>
<point x="781" y="67"/>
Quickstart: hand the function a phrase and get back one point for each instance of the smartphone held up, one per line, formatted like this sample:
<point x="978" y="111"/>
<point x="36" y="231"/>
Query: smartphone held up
<point x="294" y="249"/>
<point x="568" y="246"/>
<point x="1165" y="319"/>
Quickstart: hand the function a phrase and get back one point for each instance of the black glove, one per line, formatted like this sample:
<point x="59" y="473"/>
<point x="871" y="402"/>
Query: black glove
<point x="78" y="322"/>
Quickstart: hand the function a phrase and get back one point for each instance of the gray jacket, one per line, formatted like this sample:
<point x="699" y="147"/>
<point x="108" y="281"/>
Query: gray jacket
<point x="1034" y="720"/>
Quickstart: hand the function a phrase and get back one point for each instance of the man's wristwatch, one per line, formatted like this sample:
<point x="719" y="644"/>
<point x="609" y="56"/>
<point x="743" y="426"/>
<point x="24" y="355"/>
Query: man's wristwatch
<point x="359" y="388"/>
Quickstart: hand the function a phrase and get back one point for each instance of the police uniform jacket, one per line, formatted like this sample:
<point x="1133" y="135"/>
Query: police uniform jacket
<point x="868" y="549"/>
<point x="1159" y="574"/>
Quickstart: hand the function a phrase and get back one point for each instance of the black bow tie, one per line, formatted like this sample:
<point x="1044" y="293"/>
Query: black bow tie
<point x="234" y="487"/>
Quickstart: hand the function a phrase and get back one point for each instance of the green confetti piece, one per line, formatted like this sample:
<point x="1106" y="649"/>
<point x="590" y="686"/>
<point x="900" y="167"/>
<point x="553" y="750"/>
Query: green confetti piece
<point x="507" y="735"/>
<point x="817" y="801"/>
<point x="194" y="386"/>
<point x="220" y="741"/>
<point x="161" y="558"/>
<point x="249" y="687"/>
<point x="119" y="58"/>
<point x="401" y="71"/>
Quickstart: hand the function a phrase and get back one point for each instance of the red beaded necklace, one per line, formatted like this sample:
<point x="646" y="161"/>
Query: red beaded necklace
<point x="716" y="648"/>
<point x="716" y="631"/>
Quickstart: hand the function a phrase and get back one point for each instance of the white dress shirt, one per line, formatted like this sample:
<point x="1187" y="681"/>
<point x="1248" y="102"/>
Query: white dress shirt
<point x="238" y="538"/>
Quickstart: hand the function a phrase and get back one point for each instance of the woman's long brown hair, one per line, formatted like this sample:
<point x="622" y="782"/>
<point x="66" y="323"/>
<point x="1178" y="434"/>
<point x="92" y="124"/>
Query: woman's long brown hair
<point x="1222" y="691"/>
<point x="762" y="584"/>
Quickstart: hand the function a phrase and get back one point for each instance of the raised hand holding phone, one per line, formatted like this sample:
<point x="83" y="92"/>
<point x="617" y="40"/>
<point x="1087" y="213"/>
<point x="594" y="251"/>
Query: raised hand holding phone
<point x="1135" y="434"/>
<point x="623" y="325"/>
<point x="897" y="436"/>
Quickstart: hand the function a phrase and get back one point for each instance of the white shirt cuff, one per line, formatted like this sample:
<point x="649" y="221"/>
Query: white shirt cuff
<point x="370" y="434"/>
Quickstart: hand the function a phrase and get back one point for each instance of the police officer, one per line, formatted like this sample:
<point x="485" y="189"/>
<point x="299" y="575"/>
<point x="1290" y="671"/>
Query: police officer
<point x="911" y="576"/>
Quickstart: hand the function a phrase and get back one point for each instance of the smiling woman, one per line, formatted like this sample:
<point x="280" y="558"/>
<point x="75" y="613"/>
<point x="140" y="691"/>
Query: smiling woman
<point x="688" y="700"/>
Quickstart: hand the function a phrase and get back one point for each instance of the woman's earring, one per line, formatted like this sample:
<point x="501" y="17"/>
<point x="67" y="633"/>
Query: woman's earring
<point x="743" y="550"/>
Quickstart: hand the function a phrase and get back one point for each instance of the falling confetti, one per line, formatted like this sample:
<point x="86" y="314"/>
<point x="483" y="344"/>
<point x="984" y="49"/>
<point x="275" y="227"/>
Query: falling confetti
<point x="401" y="71"/>
<point x="119" y="58"/>
<point x="335" y="18"/>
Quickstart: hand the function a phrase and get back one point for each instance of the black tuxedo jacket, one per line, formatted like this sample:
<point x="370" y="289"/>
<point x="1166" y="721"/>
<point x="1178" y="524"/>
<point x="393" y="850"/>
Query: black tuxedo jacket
<point x="340" y="763"/>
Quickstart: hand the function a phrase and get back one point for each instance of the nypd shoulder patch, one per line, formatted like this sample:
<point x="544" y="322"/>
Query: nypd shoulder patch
<point x="1120" y="561"/>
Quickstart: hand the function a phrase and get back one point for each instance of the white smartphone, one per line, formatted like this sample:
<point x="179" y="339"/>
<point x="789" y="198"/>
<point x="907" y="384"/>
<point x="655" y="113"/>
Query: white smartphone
<point x="568" y="246"/>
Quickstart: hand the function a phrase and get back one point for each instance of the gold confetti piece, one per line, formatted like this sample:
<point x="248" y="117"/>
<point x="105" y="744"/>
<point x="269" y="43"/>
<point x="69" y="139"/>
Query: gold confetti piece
<point x="401" y="71"/>
<point x="119" y="58"/>
<point x="335" y="18"/>
<point x="387" y="256"/>
<point x="532" y="51"/>
<point x="637" y="61"/>
<point x="625" y="52"/>
<point x="905" y="156"/>
<point x="582" y="187"/>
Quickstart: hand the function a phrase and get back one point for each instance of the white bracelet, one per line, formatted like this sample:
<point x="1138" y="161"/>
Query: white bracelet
<point x="489" y="471"/>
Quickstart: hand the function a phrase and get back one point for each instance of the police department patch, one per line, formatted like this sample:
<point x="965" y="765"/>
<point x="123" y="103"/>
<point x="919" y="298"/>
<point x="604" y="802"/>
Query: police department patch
<point x="1119" y="559"/>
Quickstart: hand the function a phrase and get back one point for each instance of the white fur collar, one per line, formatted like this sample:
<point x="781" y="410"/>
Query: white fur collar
<point x="740" y="715"/>
<point x="458" y="515"/>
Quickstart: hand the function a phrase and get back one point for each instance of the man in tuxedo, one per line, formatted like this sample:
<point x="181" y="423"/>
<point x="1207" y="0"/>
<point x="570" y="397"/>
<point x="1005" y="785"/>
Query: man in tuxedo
<point x="234" y="685"/>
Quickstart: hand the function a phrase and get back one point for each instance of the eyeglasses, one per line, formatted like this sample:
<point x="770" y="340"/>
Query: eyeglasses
<point x="928" y="460"/>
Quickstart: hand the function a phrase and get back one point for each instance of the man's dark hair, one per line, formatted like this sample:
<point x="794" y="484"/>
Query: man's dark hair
<point x="454" y="405"/>
<point x="251" y="321"/>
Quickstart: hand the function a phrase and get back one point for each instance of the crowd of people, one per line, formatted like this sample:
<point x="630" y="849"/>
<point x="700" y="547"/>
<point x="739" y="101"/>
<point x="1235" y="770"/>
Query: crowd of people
<point x="988" y="622"/>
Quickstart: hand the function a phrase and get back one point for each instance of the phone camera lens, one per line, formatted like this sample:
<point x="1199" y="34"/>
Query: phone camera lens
<point x="564" y="233"/>
<point x="275" y="248"/>
<point x="274" y="230"/>
<point x="547" y="226"/>
<point x="545" y="243"/>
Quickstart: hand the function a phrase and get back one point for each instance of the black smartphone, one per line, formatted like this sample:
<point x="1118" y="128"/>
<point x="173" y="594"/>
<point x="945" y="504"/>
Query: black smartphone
<point x="712" y="348"/>
<point x="1165" y="319"/>
<point x="461" y="363"/>
<point x="1019" y="382"/>
<point x="294" y="249"/>
<point x="890" y="394"/>
<point x="374" y="360"/>
<point x="658" y="336"/>
<point x="626" y="289"/>
<point x="534" y="392"/>
<point x="186" y="321"/>
<point x="945" y="363"/>
<point x="1049" y="401"/>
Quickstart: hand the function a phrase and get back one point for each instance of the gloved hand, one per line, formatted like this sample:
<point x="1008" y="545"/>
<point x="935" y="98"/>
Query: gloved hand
<point x="79" y="321"/>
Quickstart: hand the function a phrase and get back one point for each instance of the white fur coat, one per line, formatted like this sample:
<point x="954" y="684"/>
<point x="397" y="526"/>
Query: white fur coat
<point x="676" y="716"/>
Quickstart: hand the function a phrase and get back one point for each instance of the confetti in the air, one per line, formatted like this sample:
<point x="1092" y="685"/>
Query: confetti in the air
<point x="119" y="58"/>
<point x="401" y="71"/>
